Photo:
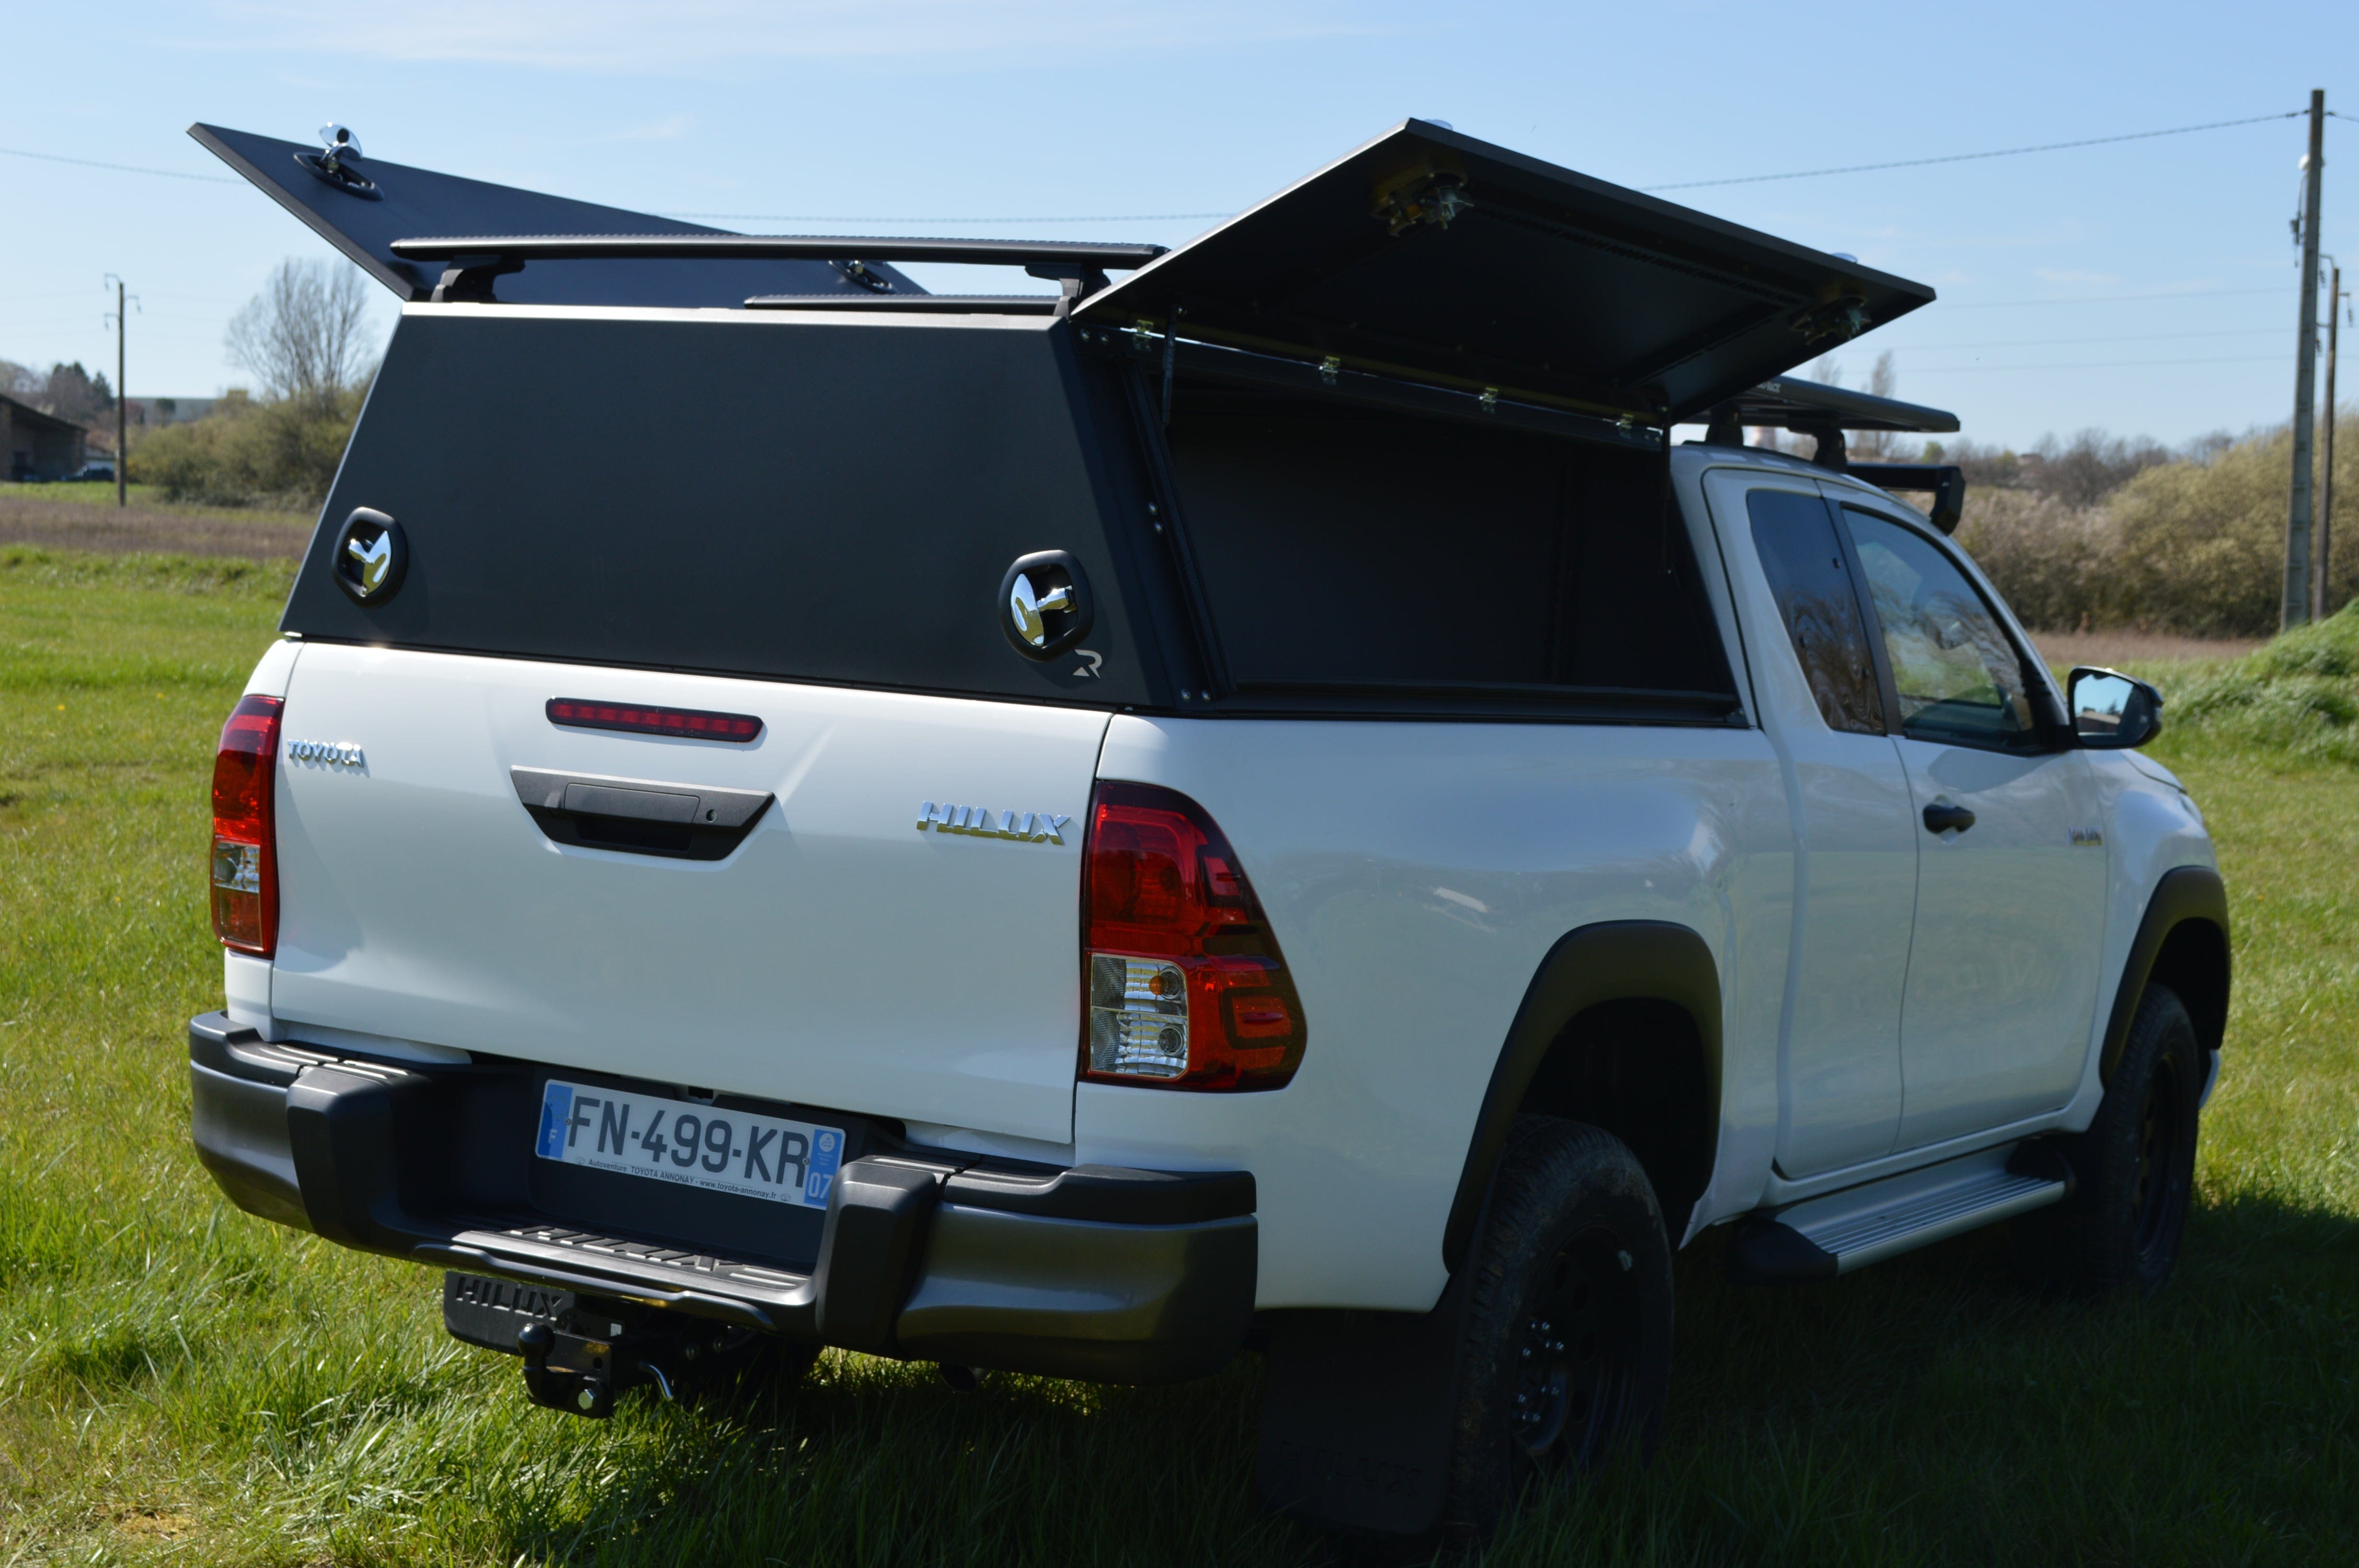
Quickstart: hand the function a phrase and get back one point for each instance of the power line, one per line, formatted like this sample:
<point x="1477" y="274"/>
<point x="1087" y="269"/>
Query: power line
<point x="2093" y="364"/>
<point x="1683" y="185"/>
<point x="1194" y="217"/>
<point x="122" y="167"/>
<point x="1969" y="157"/>
<point x="2105" y="298"/>
<point x="2059" y="342"/>
<point x="9" y="323"/>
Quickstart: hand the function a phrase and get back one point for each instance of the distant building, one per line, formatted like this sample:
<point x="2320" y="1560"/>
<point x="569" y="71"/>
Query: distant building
<point x="155" y="413"/>
<point x="39" y="446"/>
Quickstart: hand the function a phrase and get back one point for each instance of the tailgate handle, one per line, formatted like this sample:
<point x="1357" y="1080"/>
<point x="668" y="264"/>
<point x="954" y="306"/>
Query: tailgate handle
<point x="644" y="805"/>
<point x="644" y="816"/>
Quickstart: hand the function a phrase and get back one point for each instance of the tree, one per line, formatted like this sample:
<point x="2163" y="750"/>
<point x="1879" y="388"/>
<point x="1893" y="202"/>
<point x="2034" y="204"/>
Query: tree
<point x="305" y="337"/>
<point x="72" y="392"/>
<point x="1877" y="446"/>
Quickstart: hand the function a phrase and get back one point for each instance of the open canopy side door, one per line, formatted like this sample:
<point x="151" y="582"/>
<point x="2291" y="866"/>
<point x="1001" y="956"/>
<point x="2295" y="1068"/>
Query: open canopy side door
<point x="1438" y="256"/>
<point x="362" y="205"/>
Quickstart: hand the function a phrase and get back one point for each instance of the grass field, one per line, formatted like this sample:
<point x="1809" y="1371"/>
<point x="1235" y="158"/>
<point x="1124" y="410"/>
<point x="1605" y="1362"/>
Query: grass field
<point x="85" y="517"/>
<point x="181" y="1383"/>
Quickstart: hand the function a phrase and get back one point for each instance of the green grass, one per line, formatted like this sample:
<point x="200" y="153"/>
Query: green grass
<point x="144" y="497"/>
<point x="96" y="492"/>
<point x="180" y="1382"/>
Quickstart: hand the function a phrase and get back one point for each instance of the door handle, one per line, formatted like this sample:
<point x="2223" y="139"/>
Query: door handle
<point x="643" y="816"/>
<point x="1942" y="818"/>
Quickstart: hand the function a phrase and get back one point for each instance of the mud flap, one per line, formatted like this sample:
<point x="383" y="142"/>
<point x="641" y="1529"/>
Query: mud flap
<point x="1358" y="1411"/>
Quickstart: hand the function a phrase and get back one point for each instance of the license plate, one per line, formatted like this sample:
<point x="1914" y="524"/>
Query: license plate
<point x="694" y="1145"/>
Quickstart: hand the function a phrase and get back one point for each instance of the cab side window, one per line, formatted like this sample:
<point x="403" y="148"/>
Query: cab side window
<point x="1796" y="539"/>
<point x="1957" y="675"/>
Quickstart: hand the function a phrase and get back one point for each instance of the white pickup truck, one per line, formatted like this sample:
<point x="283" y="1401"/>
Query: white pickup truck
<point x="1265" y="805"/>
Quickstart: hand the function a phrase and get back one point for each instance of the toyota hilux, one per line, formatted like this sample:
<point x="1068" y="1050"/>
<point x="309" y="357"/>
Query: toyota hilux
<point x="1266" y="805"/>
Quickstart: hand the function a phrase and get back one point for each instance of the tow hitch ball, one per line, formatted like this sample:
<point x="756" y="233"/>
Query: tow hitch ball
<point x="568" y="1372"/>
<point x="581" y="1375"/>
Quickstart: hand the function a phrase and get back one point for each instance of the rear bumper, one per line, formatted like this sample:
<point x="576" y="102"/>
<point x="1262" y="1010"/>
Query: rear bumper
<point x="1094" y="1273"/>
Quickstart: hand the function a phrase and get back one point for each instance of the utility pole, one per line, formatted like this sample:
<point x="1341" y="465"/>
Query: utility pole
<point x="2294" y="609"/>
<point x="2322" y="605"/>
<point x="122" y="447"/>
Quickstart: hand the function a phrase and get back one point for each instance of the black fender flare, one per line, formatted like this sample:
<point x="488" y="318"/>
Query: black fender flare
<point x="1614" y="961"/>
<point x="2183" y="894"/>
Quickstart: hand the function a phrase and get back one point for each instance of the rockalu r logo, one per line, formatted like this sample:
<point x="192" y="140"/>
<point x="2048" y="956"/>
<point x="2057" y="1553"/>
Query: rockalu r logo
<point x="371" y="557"/>
<point x="1030" y="826"/>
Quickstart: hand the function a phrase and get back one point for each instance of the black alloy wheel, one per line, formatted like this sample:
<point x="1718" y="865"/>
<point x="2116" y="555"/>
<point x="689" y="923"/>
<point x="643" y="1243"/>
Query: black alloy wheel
<point x="2158" y="1199"/>
<point x="1565" y="1345"/>
<point x="2133" y="1169"/>
<point x="1582" y="1347"/>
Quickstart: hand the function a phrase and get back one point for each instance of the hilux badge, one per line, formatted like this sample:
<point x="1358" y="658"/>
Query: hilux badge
<point x="1032" y="827"/>
<point x="371" y="557"/>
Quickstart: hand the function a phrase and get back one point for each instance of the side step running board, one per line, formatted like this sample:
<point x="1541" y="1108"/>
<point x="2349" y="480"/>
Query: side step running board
<point x="1833" y="1235"/>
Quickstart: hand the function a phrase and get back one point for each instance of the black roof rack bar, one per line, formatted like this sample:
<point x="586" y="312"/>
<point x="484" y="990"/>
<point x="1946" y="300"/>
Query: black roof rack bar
<point x="473" y="261"/>
<point x="1790" y="403"/>
<point x="779" y="247"/>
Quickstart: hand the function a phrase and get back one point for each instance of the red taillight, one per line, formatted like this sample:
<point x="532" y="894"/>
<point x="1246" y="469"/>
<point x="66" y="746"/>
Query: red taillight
<point x="1186" y="986"/>
<point x="246" y="858"/>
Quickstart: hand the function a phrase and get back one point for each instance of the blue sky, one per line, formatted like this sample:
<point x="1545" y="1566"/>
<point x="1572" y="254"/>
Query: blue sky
<point x="2147" y="287"/>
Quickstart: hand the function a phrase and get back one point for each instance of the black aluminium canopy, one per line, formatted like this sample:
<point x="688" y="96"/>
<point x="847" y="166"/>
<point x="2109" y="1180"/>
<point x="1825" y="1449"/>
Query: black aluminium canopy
<point x="1431" y="253"/>
<point x="391" y="201"/>
<point x="1423" y="253"/>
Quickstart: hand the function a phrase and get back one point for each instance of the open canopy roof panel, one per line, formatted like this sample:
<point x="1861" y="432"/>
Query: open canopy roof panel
<point x="376" y="203"/>
<point x="1436" y="255"/>
<point x="1424" y="253"/>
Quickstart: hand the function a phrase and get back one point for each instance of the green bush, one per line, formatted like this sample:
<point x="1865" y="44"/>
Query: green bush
<point x="251" y="454"/>
<point x="2204" y="543"/>
<point x="2298" y="695"/>
<point x="2195" y="547"/>
<point x="2050" y="561"/>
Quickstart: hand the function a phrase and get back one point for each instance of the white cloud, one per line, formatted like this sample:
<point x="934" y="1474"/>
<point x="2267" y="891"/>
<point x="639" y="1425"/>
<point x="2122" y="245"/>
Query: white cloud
<point x="611" y="34"/>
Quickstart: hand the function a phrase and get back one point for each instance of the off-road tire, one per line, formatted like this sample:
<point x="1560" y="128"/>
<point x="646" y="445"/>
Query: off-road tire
<point x="2133" y="1169"/>
<point x="1565" y="1353"/>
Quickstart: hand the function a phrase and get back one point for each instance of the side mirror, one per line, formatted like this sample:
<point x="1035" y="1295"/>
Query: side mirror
<point x="2111" y="711"/>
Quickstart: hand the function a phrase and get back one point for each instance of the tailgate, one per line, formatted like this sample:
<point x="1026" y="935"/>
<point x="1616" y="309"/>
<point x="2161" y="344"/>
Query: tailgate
<point x="841" y="954"/>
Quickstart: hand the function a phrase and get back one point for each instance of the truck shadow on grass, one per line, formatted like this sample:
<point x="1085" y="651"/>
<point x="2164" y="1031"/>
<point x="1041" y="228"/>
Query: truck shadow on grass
<point x="1926" y="1410"/>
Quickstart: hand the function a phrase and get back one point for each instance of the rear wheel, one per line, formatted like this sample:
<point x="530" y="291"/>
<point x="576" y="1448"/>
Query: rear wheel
<point x="1566" y="1352"/>
<point x="2134" y="1169"/>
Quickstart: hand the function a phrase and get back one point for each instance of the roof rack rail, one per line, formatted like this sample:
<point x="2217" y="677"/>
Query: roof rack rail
<point x="471" y="261"/>
<point x="1816" y="408"/>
